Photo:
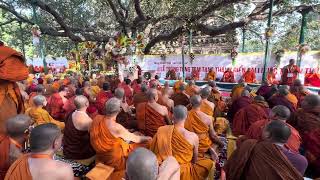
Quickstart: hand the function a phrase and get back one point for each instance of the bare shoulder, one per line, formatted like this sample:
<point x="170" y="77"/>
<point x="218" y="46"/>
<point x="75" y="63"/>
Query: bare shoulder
<point x="65" y="170"/>
<point x="205" y="118"/>
<point x="191" y="137"/>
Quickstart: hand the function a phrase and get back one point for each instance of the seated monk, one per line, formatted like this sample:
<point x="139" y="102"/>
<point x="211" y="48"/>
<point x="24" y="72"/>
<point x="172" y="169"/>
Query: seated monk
<point x="45" y="141"/>
<point x="280" y="98"/>
<point x="103" y="97"/>
<point x="280" y="113"/>
<point x="177" y="85"/>
<point x="155" y="82"/>
<point x="87" y="91"/>
<point x="94" y="87"/>
<point x="264" y="89"/>
<point x="228" y="76"/>
<point x="40" y="115"/>
<point x="299" y="91"/>
<point x="140" y="97"/>
<point x="142" y="164"/>
<point x="39" y="91"/>
<point x="217" y="99"/>
<point x="136" y="85"/>
<point x="202" y="124"/>
<point x="56" y="103"/>
<point x="291" y="97"/>
<point x="206" y="106"/>
<point x="165" y="100"/>
<point x="181" y="98"/>
<point x="49" y="90"/>
<point x="175" y="140"/>
<point x="237" y="90"/>
<point x="241" y="102"/>
<point x="271" y="77"/>
<point x="69" y="106"/>
<point x="256" y="111"/>
<point x="128" y="92"/>
<point x="312" y="79"/>
<point x="249" y="76"/>
<point x="124" y="117"/>
<point x="12" y="69"/>
<point x="192" y="88"/>
<point x="268" y="159"/>
<point x="12" y="143"/>
<point x="110" y="140"/>
<point x="151" y="115"/>
<point x="211" y="76"/>
<point x="76" y="139"/>
<point x="307" y="121"/>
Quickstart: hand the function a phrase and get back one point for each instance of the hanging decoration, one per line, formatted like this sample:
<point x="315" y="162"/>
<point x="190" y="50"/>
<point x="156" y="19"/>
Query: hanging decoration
<point x="234" y="55"/>
<point x="36" y="34"/>
<point x="279" y="54"/>
<point x="269" y="32"/>
<point x="303" y="49"/>
<point x="192" y="57"/>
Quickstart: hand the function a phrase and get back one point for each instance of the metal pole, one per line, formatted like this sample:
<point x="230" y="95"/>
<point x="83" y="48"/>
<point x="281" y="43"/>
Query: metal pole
<point x="183" y="72"/>
<point x="40" y="50"/>
<point x="243" y="39"/>
<point x="304" y="14"/>
<point x="266" y="55"/>
<point x="22" y="40"/>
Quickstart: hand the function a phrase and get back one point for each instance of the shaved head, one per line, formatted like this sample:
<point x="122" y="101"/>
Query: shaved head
<point x="152" y="94"/>
<point x="17" y="125"/>
<point x="40" y="88"/>
<point x="277" y="132"/>
<point x="297" y="82"/>
<point x="182" y="87"/>
<point x="280" y="112"/>
<point x="39" y="100"/>
<point x="144" y="88"/>
<point x="212" y="83"/>
<point x="43" y="137"/>
<point x="311" y="101"/>
<point x="195" y="101"/>
<point x="191" y="82"/>
<point x="81" y="102"/>
<point x="79" y="91"/>
<point x="142" y="164"/>
<point x="245" y="93"/>
<point x="283" y="91"/>
<point x="259" y="98"/>
<point x="113" y="106"/>
<point x="180" y="113"/>
<point x="205" y="92"/>
<point x="119" y="93"/>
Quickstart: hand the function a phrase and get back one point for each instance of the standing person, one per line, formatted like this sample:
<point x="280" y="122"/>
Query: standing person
<point x="11" y="144"/>
<point x="12" y="69"/>
<point x="290" y="73"/>
<point x="45" y="140"/>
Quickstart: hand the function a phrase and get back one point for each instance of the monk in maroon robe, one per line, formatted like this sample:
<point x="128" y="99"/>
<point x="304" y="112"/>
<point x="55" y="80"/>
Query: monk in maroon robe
<point x="290" y="73"/>
<point x="56" y="103"/>
<point x="241" y="102"/>
<point x="280" y="99"/>
<point x="102" y="98"/>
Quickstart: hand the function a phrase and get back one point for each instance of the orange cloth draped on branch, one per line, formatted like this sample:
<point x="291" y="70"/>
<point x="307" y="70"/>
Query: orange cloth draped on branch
<point x="247" y="116"/>
<point x="110" y="150"/>
<point x="206" y="108"/>
<point x="169" y="142"/>
<point x="194" y="124"/>
<point x="41" y="116"/>
<point x="259" y="160"/>
<point x="4" y="155"/>
<point x="19" y="170"/>
<point x="149" y="120"/>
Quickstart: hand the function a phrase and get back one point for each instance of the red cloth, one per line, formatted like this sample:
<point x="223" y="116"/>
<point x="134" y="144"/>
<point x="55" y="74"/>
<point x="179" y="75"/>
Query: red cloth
<point x="102" y="98"/>
<point x="69" y="106"/>
<point x="55" y="107"/>
<point x="237" y="105"/>
<point x="228" y="76"/>
<point x="290" y="73"/>
<point x="312" y="80"/>
<point x="246" y="116"/>
<point x="256" y="129"/>
<point x="249" y="77"/>
<point x="281" y="100"/>
<point x="4" y="155"/>
<point x="127" y="92"/>
<point x="312" y="148"/>
<point x="136" y="88"/>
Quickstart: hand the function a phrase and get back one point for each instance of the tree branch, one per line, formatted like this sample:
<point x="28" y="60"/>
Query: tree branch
<point x="138" y="9"/>
<point x="219" y="30"/>
<point x="8" y="22"/>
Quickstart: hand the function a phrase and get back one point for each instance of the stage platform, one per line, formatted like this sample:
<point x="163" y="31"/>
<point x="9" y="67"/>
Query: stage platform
<point x="227" y="87"/>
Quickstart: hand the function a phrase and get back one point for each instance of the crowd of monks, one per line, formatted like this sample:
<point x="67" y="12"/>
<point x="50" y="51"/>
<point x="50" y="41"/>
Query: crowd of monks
<point x="142" y="130"/>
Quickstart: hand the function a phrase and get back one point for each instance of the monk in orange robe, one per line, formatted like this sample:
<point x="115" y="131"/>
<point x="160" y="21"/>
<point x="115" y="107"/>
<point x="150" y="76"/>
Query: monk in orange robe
<point x="217" y="99"/>
<point x="11" y="145"/>
<point x="192" y="88"/>
<point x="140" y="97"/>
<point x="237" y="90"/>
<point x="151" y="115"/>
<point x="279" y="113"/>
<point x="202" y="124"/>
<point x="45" y="141"/>
<point x="109" y="140"/>
<point x="206" y="106"/>
<point x="56" y="103"/>
<point x="12" y="69"/>
<point x="177" y="85"/>
<point x="41" y="116"/>
<point x="165" y="100"/>
<point x="290" y="73"/>
<point x="249" y="76"/>
<point x="211" y="76"/>
<point x="228" y="76"/>
<point x="258" y="110"/>
<point x="271" y="77"/>
<point x="181" y="98"/>
<point x="175" y="140"/>
<point x="39" y="91"/>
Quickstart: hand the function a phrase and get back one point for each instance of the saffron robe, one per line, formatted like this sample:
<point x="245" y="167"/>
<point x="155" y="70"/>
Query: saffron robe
<point x="149" y="120"/>
<point x="19" y="170"/>
<point x="249" y="77"/>
<point x="206" y="108"/>
<point x="169" y="142"/>
<point x="110" y="150"/>
<point x="41" y="116"/>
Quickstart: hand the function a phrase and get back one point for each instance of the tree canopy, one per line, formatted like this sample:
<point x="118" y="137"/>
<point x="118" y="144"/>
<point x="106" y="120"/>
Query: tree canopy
<point x="67" y="22"/>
